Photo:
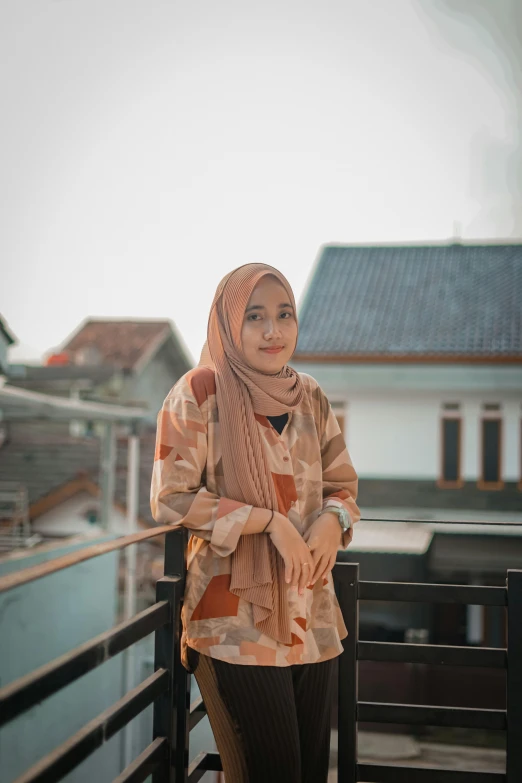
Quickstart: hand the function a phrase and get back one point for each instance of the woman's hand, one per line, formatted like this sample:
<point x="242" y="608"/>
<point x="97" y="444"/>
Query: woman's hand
<point x="292" y="548"/>
<point x="324" y="538"/>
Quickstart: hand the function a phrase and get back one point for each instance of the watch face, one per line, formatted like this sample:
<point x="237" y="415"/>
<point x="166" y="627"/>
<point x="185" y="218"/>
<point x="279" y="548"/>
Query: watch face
<point x="344" y="518"/>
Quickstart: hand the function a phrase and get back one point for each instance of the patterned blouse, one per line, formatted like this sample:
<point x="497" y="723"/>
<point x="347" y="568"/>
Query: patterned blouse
<point x="311" y="470"/>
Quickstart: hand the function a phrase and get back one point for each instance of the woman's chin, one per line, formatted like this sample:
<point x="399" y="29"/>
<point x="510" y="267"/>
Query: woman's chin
<point x="268" y="364"/>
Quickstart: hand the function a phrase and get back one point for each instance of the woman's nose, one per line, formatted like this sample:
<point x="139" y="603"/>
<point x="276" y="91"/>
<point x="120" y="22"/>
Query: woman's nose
<point x="272" y="328"/>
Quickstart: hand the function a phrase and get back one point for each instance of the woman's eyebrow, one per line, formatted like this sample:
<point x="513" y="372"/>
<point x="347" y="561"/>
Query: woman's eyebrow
<point x="261" y="307"/>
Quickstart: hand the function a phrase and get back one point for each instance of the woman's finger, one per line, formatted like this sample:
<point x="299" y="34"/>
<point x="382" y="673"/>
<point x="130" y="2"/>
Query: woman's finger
<point x="331" y="563"/>
<point x="289" y="567"/>
<point x="319" y="567"/>
<point x="296" y="572"/>
<point x="306" y="568"/>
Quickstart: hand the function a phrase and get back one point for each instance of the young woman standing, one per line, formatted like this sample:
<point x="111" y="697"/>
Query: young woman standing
<point x="250" y="458"/>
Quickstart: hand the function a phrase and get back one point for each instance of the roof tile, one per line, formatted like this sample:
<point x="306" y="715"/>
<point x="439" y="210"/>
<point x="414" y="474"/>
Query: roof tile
<point x="414" y="300"/>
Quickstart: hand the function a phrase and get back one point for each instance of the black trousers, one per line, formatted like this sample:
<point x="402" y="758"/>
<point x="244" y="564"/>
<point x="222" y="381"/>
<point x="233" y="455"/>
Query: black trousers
<point x="271" y="723"/>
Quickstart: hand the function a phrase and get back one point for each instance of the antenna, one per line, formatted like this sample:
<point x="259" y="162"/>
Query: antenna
<point x="457" y="232"/>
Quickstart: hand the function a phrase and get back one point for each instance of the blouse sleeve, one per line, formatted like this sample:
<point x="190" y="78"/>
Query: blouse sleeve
<point x="178" y="492"/>
<point x="340" y="481"/>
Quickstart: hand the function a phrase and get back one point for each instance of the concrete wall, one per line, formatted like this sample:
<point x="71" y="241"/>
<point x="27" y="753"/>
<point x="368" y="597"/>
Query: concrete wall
<point x="41" y="621"/>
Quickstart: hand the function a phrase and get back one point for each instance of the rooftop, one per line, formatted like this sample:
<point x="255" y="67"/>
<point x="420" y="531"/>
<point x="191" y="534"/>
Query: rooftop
<point x="414" y="301"/>
<point x="119" y="343"/>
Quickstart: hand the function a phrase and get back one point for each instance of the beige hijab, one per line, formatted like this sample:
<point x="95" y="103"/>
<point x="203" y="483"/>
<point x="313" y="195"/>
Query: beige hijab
<point x="257" y="567"/>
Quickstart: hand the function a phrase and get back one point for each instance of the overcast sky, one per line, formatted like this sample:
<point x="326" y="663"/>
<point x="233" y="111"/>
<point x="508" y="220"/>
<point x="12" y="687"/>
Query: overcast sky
<point x="147" y="147"/>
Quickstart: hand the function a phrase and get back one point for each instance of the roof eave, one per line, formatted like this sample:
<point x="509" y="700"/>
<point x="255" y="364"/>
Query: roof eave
<point x="7" y="334"/>
<point x="397" y="358"/>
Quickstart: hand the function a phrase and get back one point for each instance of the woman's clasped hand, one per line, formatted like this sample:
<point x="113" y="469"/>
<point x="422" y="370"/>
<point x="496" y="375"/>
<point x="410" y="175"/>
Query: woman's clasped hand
<point x="324" y="537"/>
<point x="293" y="549"/>
<point x="310" y="557"/>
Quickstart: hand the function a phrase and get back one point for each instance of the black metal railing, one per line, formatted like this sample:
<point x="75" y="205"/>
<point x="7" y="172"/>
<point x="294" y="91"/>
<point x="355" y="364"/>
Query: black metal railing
<point x="350" y="591"/>
<point x="166" y="759"/>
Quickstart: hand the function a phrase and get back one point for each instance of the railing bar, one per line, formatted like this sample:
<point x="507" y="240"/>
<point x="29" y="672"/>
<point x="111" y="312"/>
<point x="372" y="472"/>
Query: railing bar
<point x="145" y="764"/>
<point x="166" y="651"/>
<point x="507" y="523"/>
<point x="206" y="761"/>
<point x="514" y="677"/>
<point x="197" y="712"/>
<point x="432" y="593"/>
<point x="32" y="573"/>
<point x="428" y="715"/>
<point x="346" y="577"/>
<point x="394" y="773"/>
<point x="434" y="654"/>
<point x="197" y="704"/>
<point x="33" y="688"/>
<point x="73" y="751"/>
<point x="196" y="768"/>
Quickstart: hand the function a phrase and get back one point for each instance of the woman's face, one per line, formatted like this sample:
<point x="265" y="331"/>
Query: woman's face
<point x="269" y="323"/>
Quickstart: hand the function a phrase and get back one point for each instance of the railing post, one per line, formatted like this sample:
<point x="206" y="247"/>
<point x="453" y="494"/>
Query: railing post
<point x="514" y="677"/>
<point x="171" y="710"/>
<point x="346" y="577"/>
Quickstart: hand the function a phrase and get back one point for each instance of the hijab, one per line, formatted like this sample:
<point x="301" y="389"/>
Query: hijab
<point x="257" y="568"/>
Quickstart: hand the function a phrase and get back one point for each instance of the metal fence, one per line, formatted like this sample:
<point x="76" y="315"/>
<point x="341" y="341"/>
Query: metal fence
<point x="166" y="759"/>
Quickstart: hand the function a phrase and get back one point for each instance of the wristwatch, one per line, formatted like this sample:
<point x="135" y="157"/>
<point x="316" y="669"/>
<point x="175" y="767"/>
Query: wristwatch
<point x="343" y="516"/>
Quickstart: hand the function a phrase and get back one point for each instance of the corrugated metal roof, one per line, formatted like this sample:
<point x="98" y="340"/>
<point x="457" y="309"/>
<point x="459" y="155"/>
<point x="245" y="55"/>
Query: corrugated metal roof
<point x="44" y="459"/>
<point x="414" y="300"/>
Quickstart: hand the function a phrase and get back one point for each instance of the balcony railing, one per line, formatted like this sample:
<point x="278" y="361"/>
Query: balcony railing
<point x="174" y="716"/>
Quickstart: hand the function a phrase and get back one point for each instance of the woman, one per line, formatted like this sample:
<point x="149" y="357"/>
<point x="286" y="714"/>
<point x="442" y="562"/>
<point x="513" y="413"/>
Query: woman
<point x="250" y="458"/>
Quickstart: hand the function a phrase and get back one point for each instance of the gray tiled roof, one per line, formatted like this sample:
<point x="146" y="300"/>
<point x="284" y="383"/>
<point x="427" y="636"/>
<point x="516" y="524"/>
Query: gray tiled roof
<point x="414" y="300"/>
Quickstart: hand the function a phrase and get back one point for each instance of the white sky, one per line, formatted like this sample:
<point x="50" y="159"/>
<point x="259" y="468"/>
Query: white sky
<point x="148" y="147"/>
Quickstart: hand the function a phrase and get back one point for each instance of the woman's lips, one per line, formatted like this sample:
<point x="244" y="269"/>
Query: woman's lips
<point x="272" y="350"/>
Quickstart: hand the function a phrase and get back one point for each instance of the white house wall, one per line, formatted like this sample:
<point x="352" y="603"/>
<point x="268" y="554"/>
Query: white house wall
<point x="393" y="412"/>
<point x="392" y="437"/>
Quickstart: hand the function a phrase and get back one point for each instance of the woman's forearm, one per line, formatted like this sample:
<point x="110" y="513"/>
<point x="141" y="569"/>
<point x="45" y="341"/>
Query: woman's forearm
<point x="259" y="518"/>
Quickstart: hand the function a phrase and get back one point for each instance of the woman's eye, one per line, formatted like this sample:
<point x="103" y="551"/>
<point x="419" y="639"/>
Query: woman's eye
<point x="256" y="316"/>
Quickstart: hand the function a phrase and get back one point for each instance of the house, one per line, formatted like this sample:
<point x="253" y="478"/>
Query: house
<point x="419" y="349"/>
<point x="74" y="495"/>
<point x="76" y="489"/>
<point x="131" y="362"/>
<point x="61" y="478"/>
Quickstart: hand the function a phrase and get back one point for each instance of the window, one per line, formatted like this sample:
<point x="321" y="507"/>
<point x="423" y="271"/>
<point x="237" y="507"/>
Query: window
<point x="450" y="446"/>
<point x="490" y="473"/>
<point x="520" y="454"/>
<point x="92" y="516"/>
<point x="451" y="449"/>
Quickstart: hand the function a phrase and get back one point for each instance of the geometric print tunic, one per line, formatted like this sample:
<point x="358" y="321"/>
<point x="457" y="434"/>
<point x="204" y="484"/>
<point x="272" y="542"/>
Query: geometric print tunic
<point x="311" y="470"/>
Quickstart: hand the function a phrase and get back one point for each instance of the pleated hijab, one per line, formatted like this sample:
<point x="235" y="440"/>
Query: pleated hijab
<point x="257" y="568"/>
